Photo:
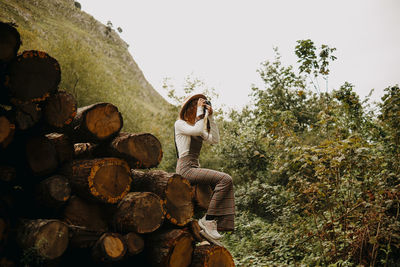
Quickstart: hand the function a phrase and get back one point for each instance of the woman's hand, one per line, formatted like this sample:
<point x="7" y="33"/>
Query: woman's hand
<point x="209" y="108"/>
<point x="201" y="102"/>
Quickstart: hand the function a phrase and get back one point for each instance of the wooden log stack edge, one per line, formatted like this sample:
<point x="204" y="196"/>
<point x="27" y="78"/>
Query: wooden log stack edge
<point x="75" y="190"/>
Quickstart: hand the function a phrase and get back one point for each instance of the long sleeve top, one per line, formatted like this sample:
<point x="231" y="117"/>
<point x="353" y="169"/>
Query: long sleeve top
<point x="184" y="131"/>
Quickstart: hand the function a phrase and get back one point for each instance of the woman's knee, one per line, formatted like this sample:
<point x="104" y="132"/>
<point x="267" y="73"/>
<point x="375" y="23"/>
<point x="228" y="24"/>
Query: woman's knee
<point x="227" y="180"/>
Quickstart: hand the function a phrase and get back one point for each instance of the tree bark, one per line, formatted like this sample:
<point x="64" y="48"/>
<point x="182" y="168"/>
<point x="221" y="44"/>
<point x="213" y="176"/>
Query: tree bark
<point x="138" y="150"/>
<point x="109" y="248"/>
<point x="32" y="76"/>
<point x="210" y="255"/>
<point x="139" y="212"/>
<point x="141" y="150"/>
<point x="96" y="123"/>
<point x="105" y="179"/>
<point x="83" y="213"/>
<point x="84" y="150"/>
<point x="60" y="109"/>
<point x="53" y="192"/>
<point x="27" y="115"/>
<point x="63" y="146"/>
<point x="82" y="237"/>
<point x="194" y="228"/>
<point x="41" y="155"/>
<point x="173" y="189"/>
<point x="170" y="248"/>
<point x="134" y="243"/>
<point x="48" y="238"/>
<point x="9" y="43"/>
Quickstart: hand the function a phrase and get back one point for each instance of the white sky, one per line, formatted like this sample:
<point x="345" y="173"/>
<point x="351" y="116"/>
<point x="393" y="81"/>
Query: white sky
<point x="223" y="42"/>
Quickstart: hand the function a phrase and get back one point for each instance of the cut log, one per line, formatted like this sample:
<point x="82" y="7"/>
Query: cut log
<point x="48" y="238"/>
<point x="60" y="109"/>
<point x="83" y="213"/>
<point x="53" y="192"/>
<point x="97" y="122"/>
<point x="139" y="150"/>
<point x="105" y="179"/>
<point x="172" y="188"/>
<point x="139" y="212"/>
<point x="170" y="248"/>
<point x="33" y="76"/>
<point x="134" y="243"/>
<point x="63" y="146"/>
<point x="9" y="43"/>
<point x="210" y="255"/>
<point x="27" y="115"/>
<point x="109" y="248"/>
<point x="41" y="155"/>
<point x="82" y="237"/>
<point x="202" y="195"/>
<point x="7" y="130"/>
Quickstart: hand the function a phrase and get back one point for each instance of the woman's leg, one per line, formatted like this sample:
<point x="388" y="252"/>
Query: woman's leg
<point x="222" y="203"/>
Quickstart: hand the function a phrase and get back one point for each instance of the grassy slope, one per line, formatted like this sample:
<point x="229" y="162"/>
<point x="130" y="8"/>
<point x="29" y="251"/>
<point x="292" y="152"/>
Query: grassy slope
<point x="96" y="65"/>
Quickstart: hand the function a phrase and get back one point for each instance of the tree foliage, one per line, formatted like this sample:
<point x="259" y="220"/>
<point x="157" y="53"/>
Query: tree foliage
<point x="316" y="173"/>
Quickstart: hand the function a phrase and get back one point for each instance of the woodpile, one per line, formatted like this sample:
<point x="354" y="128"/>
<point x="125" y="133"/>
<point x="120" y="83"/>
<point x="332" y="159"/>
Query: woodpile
<point x="71" y="191"/>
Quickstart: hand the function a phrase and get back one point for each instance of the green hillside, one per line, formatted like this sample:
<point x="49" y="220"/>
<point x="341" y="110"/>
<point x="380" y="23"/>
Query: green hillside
<point x="95" y="62"/>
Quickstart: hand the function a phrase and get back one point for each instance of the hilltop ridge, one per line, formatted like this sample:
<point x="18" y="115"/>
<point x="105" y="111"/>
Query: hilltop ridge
<point x="95" y="62"/>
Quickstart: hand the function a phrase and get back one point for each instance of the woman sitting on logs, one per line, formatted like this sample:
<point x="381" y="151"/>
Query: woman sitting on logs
<point x="195" y="125"/>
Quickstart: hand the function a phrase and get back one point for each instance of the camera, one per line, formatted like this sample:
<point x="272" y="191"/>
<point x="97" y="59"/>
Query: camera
<point x="207" y="102"/>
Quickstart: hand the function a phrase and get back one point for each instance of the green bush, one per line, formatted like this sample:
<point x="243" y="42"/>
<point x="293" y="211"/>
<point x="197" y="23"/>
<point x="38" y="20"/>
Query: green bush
<point x="77" y="5"/>
<point x="317" y="174"/>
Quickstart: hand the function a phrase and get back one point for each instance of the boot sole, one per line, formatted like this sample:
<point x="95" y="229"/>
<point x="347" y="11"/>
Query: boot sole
<point x="210" y="239"/>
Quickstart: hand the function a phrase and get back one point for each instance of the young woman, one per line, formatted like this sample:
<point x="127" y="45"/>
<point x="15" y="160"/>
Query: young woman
<point x="191" y="129"/>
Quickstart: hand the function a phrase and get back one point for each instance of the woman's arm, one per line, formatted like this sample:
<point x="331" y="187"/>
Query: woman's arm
<point x="198" y="129"/>
<point x="182" y="127"/>
<point x="213" y="136"/>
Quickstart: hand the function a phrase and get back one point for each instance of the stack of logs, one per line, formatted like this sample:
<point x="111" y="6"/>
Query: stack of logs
<point x="70" y="188"/>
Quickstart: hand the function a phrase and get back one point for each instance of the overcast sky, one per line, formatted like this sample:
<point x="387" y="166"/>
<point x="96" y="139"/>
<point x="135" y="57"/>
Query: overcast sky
<point x="223" y="42"/>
